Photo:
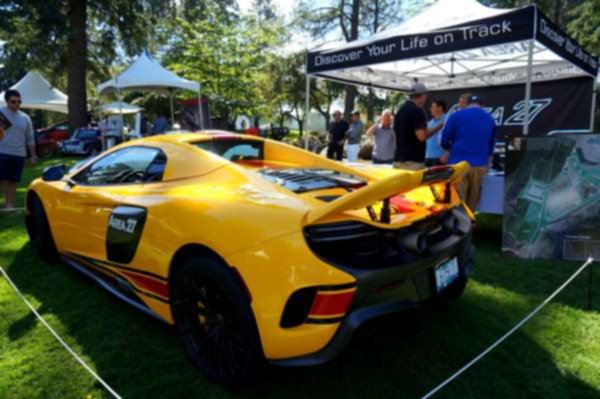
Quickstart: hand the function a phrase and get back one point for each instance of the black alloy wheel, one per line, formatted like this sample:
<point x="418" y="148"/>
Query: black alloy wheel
<point x="215" y="322"/>
<point x="39" y="231"/>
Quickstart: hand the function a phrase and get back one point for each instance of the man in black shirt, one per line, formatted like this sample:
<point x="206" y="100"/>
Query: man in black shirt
<point x="337" y="135"/>
<point x="410" y="127"/>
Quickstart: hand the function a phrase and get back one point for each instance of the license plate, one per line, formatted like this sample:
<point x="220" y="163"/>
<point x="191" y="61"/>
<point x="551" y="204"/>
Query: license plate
<point x="446" y="273"/>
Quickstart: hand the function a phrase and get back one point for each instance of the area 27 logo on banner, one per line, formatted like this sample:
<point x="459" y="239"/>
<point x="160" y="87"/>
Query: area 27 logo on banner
<point x="517" y="117"/>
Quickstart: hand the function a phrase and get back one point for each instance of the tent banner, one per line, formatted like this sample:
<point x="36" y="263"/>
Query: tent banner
<point x="555" y="105"/>
<point x="190" y="114"/>
<point x="507" y="28"/>
<point x="561" y="44"/>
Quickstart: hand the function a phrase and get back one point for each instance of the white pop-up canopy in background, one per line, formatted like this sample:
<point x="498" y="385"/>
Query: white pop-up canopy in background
<point x="120" y="107"/>
<point x="37" y="93"/>
<point x="146" y="74"/>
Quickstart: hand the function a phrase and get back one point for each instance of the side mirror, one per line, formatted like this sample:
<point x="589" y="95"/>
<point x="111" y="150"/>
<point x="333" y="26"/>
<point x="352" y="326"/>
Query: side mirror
<point x="54" y="172"/>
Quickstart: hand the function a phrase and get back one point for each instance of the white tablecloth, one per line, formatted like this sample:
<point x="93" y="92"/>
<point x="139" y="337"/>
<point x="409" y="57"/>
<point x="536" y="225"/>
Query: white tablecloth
<point x="492" y="194"/>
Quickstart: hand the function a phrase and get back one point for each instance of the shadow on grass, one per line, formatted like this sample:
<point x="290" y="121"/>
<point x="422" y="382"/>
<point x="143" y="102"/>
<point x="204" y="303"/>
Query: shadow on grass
<point x="140" y="357"/>
<point x="21" y="327"/>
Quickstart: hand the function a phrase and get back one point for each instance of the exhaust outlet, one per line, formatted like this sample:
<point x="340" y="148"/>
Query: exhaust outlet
<point x="415" y="242"/>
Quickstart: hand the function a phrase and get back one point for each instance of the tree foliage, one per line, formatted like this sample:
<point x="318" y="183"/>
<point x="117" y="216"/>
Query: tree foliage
<point x="227" y="57"/>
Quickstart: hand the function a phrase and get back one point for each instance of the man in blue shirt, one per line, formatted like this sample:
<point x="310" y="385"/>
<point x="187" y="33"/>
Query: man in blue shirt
<point x="434" y="153"/>
<point x="470" y="135"/>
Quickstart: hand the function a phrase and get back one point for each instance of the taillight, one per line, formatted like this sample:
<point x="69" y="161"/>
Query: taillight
<point x="317" y="305"/>
<point x="331" y="303"/>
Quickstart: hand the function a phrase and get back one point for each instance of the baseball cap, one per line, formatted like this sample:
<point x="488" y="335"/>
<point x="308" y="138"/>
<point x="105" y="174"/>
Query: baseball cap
<point x="418" y="88"/>
<point x="475" y="99"/>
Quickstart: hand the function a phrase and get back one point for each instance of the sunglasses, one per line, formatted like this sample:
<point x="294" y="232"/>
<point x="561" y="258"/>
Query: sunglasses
<point x="15" y="101"/>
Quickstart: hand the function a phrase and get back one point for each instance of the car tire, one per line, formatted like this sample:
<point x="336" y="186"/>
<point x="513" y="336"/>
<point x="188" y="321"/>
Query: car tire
<point x="93" y="152"/>
<point x="45" y="150"/>
<point x="215" y="322"/>
<point x="39" y="232"/>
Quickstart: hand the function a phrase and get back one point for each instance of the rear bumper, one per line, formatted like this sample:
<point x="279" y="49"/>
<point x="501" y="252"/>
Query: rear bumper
<point x="385" y="292"/>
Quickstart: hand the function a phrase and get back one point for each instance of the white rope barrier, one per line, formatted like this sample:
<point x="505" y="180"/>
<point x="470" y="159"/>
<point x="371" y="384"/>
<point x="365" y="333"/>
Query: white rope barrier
<point x="508" y="334"/>
<point x="60" y="340"/>
<point x="11" y="210"/>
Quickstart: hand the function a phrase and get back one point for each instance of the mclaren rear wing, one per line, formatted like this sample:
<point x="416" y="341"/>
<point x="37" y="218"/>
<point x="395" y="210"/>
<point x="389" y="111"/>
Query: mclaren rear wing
<point x="389" y="187"/>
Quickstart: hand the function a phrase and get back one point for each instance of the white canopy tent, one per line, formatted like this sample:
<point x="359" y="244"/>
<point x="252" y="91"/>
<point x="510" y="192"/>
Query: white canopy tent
<point x="146" y="74"/>
<point x="457" y="44"/>
<point x="37" y="93"/>
<point x="120" y="107"/>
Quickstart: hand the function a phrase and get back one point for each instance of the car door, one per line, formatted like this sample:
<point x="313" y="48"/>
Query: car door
<point x="97" y="224"/>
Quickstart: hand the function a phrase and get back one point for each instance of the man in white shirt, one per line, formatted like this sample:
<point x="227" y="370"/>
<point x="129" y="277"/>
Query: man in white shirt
<point x="14" y="143"/>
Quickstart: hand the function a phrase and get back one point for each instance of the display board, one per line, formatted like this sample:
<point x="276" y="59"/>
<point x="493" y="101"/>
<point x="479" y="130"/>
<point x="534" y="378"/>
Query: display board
<point x="555" y="105"/>
<point x="552" y="198"/>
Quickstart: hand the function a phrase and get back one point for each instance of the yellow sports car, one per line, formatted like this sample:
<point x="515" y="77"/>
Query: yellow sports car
<point x="255" y="250"/>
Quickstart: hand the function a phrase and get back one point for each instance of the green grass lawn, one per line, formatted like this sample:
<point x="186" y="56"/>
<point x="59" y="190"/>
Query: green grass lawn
<point x="556" y="355"/>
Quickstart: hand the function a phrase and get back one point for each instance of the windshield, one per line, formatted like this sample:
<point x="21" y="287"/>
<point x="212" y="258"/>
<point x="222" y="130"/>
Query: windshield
<point x="234" y="150"/>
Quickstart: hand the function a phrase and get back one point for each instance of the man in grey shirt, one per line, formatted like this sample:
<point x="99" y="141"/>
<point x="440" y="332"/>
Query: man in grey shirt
<point x="385" y="139"/>
<point x="14" y="143"/>
<point x="354" y="135"/>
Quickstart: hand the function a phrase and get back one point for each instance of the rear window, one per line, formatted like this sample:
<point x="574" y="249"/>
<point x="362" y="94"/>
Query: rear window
<point x="234" y="150"/>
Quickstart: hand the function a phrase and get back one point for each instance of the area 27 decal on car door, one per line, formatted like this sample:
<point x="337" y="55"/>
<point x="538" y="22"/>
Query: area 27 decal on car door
<point x="125" y="226"/>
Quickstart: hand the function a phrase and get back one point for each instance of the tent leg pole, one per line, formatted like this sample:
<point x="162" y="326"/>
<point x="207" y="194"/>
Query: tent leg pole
<point x="306" y="112"/>
<point x="528" y="88"/>
<point x="172" y="111"/>
<point x="200" y="108"/>
<point x="121" y="117"/>
<point x="593" y="111"/>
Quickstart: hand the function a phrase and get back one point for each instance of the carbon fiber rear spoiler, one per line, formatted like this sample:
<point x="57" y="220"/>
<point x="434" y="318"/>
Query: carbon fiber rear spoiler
<point x="389" y="187"/>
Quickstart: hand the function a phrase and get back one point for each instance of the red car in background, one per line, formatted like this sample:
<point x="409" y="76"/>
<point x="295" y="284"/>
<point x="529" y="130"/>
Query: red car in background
<point x="46" y="138"/>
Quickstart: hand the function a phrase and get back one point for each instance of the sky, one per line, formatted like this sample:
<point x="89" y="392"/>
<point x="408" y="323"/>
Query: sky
<point x="285" y="7"/>
<point x="299" y="41"/>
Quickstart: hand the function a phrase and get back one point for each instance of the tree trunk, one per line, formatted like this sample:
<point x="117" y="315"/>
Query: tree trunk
<point x="76" y="64"/>
<point x="371" y="105"/>
<point x="557" y="11"/>
<point x="349" y="101"/>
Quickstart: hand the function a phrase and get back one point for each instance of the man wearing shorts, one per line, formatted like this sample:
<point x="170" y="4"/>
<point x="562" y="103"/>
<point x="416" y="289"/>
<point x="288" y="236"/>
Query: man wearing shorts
<point x="14" y="143"/>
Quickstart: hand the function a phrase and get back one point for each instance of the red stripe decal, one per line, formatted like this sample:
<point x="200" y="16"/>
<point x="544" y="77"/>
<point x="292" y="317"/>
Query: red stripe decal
<point x="149" y="284"/>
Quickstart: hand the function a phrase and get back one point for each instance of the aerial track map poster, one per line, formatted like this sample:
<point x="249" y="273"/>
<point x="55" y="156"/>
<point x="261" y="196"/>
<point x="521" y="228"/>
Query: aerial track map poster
<point x="552" y="199"/>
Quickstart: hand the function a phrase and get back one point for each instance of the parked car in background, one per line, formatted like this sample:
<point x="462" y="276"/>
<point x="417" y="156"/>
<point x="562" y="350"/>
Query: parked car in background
<point x="46" y="139"/>
<point x="84" y="141"/>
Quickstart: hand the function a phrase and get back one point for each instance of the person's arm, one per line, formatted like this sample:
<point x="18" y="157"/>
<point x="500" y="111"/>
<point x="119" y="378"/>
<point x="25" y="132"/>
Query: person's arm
<point x="30" y="140"/>
<point x="492" y="146"/>
<point x="434" y="130"/>
<point x="420" y="125"/>
<point x="448" y="134"/>
<point x="372" y="129"/>
<point x="346" y="128"/>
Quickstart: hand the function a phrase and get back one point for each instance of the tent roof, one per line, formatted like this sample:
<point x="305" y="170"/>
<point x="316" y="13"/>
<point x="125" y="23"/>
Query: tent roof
<point x="146" y="74"/>
<point x="37" y="93"/>
<point x="456" y="44"/>
<point x="120" y="107"/>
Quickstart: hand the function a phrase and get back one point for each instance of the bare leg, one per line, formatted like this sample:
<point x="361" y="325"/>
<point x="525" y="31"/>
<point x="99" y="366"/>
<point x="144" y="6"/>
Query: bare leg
<point x="10" y="188"/>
